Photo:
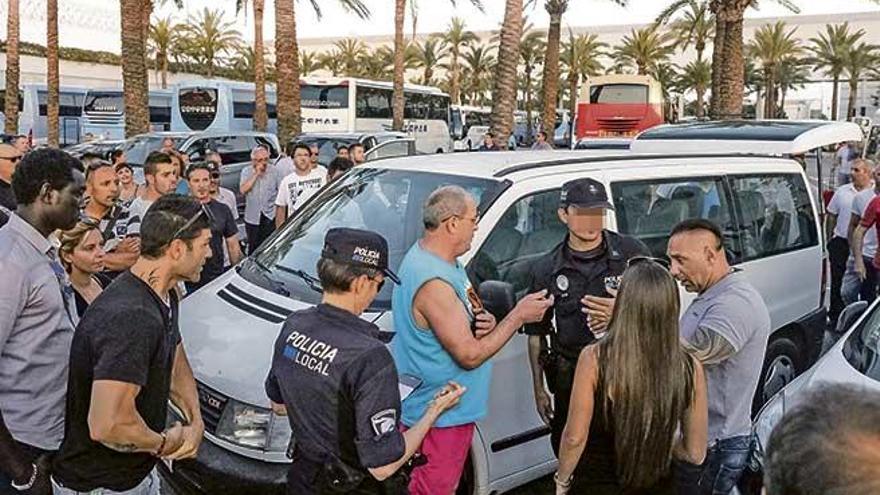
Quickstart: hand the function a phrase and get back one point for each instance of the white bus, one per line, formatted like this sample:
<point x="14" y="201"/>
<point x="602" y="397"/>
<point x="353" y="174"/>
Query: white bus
<point x="358" y="105"/>
<point x="104" y="112"/>
<point x="33" y="110"/>
<point x="213" y="105"/>
<point x="469" y="125"/>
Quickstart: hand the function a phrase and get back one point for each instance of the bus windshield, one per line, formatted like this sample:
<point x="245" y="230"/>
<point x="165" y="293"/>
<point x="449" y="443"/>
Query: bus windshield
<point x="313" y="96"/>
<point x="619" y="93"/>
<point x="103" y="102"/>
<point x="388" y="202"/>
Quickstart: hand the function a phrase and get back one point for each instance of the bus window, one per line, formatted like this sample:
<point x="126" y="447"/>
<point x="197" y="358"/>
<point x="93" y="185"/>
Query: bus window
<point x="69" y="104"/>
<point x="373" y="103"/>
<point x="619" y="93"/>
<point x="324" y="96"/>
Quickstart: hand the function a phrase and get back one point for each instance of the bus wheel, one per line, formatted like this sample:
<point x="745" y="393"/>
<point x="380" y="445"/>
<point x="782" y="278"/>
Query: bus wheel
<point x="439" y="150"/>
<point x="467" y="485"/>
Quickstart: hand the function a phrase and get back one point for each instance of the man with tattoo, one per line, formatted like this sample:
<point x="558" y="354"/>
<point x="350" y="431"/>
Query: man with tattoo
<point x="127" y="361"/>
<point x="37" y="318"/>
<point x="726" y="327"/>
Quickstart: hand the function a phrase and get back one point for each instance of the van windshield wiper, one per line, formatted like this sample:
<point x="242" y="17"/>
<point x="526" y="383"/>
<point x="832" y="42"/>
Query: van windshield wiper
<point x="275" y="286"/>
<point x="310" y="280"/>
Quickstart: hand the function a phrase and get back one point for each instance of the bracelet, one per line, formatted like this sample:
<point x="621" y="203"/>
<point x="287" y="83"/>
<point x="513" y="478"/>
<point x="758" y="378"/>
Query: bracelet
<point x="563" y="484"/>
<point x="29" y="484"/>
<point x="161" y="445"/>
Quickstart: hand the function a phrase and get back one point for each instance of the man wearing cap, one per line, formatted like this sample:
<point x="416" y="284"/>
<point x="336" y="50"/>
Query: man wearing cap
<point x="581" y="273"/>
<point x="336" y="381"/>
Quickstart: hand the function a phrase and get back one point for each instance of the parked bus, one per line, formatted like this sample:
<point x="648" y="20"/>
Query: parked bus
<point x="213" y="105"/>
<point x="358" y="105"/>
<point x="619" y="105"/>
<point x="104" y="113"/>
<point x="33" y="111"/>
<point x="468" y="124"/>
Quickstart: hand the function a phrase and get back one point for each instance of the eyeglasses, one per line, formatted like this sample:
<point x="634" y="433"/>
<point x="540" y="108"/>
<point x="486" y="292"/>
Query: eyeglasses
<point x="13" y="159"/>
<point x="261" y="160"/>
<point x="189" y="223"/>
<point x="635" y="260"/>
<point x="474" y="219"/>
<point x="380" y="284"/>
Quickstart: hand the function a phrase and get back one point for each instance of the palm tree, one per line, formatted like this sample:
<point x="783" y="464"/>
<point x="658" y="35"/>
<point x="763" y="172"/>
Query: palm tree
<point x="479" y="68"/>
<point x="696" y="76"/>
<point x="667" y="75"/>
<point x="428" y="56"/>
<point x="793" y="74"/>
<point x="261" y="115"/>
<point x="208" y="38"/>
<point x="308" y="62"/>
<point x="13" y="69"/>
<point x="331" y="61"/>
<point x="695" y="28"/>
<point x="861" y="58"/>
<point x="644" y="49"/>
<point x="287" y="62"/>
<point x="771" y="46"/>
<point x="455" y="39"/>
<point x="830" y="50"/>
<point x="580" y="57"/>
<point x="164" y="34"/>
<point x="134" y="20"/>
<point x="52" y="72"/>
<point x="504" y="89"/>
<point x="531" y="51"/>
<point x="350" y="51"/>
<point x="377" y="64"/>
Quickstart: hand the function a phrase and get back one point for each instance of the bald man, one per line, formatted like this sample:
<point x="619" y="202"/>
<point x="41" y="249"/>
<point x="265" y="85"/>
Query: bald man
<point x="9" y="157"/>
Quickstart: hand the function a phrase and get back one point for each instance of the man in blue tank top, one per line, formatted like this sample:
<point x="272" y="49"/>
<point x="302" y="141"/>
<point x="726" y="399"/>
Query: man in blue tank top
<point x="435" y="308"/>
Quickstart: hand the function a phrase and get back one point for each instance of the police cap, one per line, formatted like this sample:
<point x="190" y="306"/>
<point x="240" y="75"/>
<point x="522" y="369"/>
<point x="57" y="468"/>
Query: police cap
<point x="358" y="248"/>
<point x="585" y="193"/>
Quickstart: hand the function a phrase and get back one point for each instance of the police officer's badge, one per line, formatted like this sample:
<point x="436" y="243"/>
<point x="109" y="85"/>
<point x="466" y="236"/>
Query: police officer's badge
<point x="562" y="283"/>
<point x="384" y="421"/>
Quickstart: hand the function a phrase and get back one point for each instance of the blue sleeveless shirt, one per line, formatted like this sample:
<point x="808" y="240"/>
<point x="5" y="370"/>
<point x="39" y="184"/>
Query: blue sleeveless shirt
<point x="418" y="352"/>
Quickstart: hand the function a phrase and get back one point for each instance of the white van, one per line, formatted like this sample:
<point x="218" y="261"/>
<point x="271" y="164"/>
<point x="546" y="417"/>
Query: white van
<point x="763" y="204"/>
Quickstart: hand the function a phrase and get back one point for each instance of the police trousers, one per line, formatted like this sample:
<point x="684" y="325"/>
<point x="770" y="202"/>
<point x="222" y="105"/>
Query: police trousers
<point x="307" y="477"/>
<point x="559" y="371"/>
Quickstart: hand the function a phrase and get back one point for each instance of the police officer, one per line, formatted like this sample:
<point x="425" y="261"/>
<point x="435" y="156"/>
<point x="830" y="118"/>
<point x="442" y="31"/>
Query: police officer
<point x="337" y="382"/>
<point x="582" y="274"/>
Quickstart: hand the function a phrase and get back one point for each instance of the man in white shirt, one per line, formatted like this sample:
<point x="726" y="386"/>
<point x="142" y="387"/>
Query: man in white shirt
<point x="160" y="172"/>
<point x="837" y="230"/>
<point x="298" y="187"/>
<point x="863" y="242"/>
<point x="844" y="157"/>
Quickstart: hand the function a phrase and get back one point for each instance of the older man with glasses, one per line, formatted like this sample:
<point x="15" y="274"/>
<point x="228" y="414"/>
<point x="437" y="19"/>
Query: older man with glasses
<point x="9" y="158"/>
<point x="259" y="185"/>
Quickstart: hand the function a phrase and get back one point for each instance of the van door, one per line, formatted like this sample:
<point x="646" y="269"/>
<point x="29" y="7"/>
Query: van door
<point x="391" y="149"/>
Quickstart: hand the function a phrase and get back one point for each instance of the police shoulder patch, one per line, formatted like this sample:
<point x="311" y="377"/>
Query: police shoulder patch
<point x="384" y="421"/>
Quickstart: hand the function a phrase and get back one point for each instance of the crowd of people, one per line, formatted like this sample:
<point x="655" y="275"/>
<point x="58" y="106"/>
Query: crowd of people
<point x="640" y="400"/>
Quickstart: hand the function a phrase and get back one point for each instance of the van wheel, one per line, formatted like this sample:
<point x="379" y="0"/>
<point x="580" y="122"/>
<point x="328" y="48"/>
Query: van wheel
<point x="782" y="364"/>
<point x="467" y="485"/>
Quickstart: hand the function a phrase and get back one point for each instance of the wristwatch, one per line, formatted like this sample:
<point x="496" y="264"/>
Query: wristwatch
<point x="30" y="482"/>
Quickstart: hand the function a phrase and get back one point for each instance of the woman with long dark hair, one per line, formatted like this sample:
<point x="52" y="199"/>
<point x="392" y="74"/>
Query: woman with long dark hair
<point x="639" y="399"/>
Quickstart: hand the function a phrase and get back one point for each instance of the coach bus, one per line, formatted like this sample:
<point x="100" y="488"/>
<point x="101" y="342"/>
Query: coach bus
<point x="468" y="125"/>
<point x="33" y="111"/>
<point x="104" y="112"/>
<point x="214" y="105"/>
<point x="618" y="105"/>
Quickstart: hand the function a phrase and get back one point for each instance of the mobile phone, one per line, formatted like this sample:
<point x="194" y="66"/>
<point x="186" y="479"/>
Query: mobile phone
<point x="407" y="384"/>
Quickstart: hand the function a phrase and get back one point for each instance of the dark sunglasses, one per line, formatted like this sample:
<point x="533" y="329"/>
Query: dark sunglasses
<point x="215" y="175"/>
<point x="13" y="159"/>
<point x="189" y="223"/>
<point x="635" y="260"/>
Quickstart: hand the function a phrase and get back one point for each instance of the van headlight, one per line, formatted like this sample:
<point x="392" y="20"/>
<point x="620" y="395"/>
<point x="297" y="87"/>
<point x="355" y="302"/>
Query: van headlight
<point x="767" y="419"/>
<point x="254" y="427"/>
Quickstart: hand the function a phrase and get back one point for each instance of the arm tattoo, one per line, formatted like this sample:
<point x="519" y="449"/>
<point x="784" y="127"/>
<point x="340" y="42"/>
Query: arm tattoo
<point x="709" y="347"/>
<point x="126" y="448"/>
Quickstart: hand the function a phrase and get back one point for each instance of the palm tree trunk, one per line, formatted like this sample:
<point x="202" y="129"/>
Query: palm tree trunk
<point x="504" y="90"/>
<point x="835" y="95"/>
<point x="768" y="101"/>
<point x="52" y="72"/>
<point x="851" y="105"/>
<point x="397" y="99"/>
<point x="731" y="83"/>
<point x="13" y="70"/>
<point x="572" y="101"/>
<point x="261" y="116"/>
<point x="551" y="74"/>
<point x="134" y="66"/>
<point x="287" y="69"/>
<point x="717" y="59"/>
<point x="163" y="57"/>
<point x="455" y="87"/>
<point x="530" y="125"/>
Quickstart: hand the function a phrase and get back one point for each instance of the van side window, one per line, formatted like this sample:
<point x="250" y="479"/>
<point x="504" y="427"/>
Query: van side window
<point x="528" y="229"/>
<point x="233" y="149"/>
<point x="775" y="214"/>
<point x="649" y="210"/>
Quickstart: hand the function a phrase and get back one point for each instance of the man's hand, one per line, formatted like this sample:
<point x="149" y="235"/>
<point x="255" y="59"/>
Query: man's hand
<point x="485" y="323"/>
<point x="446" y="398"/>
<point x="532" y="307"/>
<point x="544" y="404"/>
<point x="192" y="438"/>
<point x="173" y="440"/>
<point x="598" y="311"/>
<point x="861" y="271"/>
<point x="131" y="244"/>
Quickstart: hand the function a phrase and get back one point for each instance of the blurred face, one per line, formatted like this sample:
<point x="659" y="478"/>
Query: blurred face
<point x="124" y="176"/>
<point x="21" y="144"/>
<point x="119" y="159"/>
<point x="692" y="257"/>
<point x="464" y="227"/>
<point x="861" y="174"/>
<point x="343" y="152"/>
<point x="357" y="154"/>
<point x="167" y="143"/>
<point x="9" y="158"/>
<point x="488" y="141"/>
<point x="313" y="149"/>
<point x="302" y="159"/>
<point x="103" y="186"/>
<point x="62" y="206"/>
<point x="875" y="175"/>
<point x="165" y="180"/>
<point x="260" y="159"/>
<point x="585" y="224"/>
<point x="189" y="261"/>
<point x="88" y="255"/>
<point x="541" y="137"/>
<point x="215" y="181"/>
<point x="200" y="185"/>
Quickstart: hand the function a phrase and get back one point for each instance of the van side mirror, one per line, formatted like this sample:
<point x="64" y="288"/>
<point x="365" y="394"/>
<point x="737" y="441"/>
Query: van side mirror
<point x="849" y="315"/>
<point x="498" y="298"/>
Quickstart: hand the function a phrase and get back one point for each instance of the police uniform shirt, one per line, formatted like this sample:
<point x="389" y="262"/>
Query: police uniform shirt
<point x="569" y="276"/>
<point x="340" y="387"/>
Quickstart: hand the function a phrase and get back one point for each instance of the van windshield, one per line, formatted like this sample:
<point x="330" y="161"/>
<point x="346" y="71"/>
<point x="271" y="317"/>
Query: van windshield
<point x="388" y="202"/>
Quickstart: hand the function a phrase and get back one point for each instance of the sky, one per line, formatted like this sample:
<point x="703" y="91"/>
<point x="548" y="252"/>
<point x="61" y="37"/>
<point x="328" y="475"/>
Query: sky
<point x="94" y="24"/>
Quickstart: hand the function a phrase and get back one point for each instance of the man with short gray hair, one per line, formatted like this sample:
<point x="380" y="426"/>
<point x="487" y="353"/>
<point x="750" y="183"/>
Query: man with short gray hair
<point x="830" y="443"/>
<point x="259" y="185"/>
<point x="443" y="333"/>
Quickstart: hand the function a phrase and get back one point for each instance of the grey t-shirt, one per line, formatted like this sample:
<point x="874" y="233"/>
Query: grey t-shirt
<point x="736" y="311"/>
<point x="261" y="198"/>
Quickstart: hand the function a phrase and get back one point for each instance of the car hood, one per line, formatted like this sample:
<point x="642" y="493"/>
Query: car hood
<point x="229" y="328"/>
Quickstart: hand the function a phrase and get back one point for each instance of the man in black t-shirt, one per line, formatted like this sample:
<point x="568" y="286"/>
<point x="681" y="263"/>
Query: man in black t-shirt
<point x="223" y="228"/>
<point x="127" y="360"/>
